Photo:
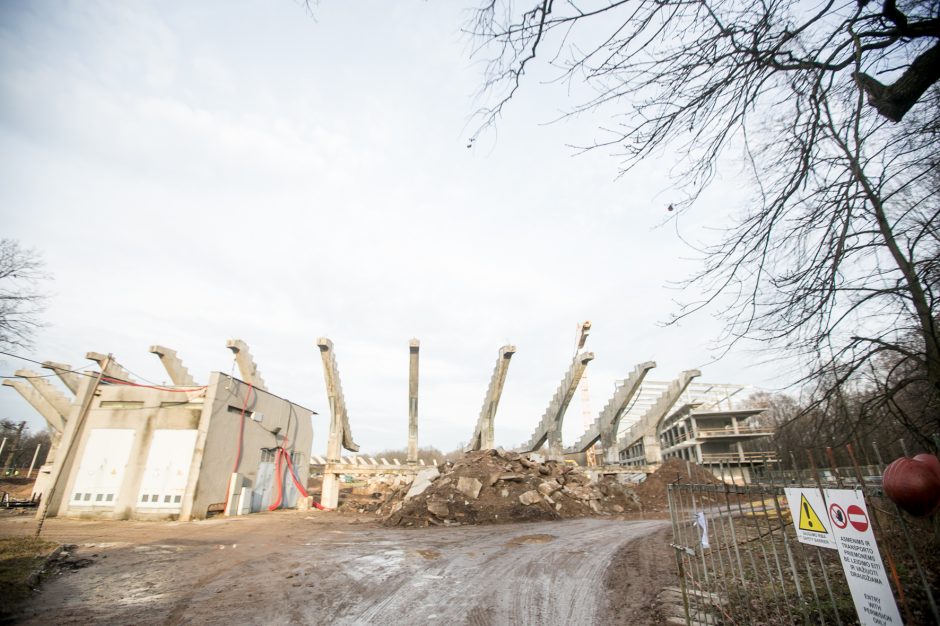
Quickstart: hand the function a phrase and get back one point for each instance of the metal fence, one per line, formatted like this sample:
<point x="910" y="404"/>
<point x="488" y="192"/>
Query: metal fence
<point x="740" y="562"/>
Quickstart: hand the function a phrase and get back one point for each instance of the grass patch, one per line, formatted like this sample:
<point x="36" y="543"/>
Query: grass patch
<point x="20" y="557"/>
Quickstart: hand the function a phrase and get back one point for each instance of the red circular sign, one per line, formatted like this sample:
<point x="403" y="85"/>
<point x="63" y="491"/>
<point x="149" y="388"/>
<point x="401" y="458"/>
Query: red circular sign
<point x="838" y="516"/>
<point x="858" y="518"/>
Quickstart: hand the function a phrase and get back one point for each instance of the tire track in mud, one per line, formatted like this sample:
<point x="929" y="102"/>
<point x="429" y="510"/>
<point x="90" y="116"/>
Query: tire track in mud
<point x="487" y="576"/>
<point x="324" y="570"/>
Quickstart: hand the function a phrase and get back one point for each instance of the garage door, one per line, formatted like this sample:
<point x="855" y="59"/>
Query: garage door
<point x="101" y="471"/>
<point x="164" y="480"/>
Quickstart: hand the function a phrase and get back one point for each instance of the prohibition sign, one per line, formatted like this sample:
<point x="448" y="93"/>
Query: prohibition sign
<point x="858" y="518"/>
<point x="838" y="516"/>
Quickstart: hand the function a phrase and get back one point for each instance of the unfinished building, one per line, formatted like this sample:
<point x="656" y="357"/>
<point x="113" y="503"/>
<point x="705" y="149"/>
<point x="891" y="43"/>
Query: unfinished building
<point x="709" y="427"/>
<point x="124" y="449"/>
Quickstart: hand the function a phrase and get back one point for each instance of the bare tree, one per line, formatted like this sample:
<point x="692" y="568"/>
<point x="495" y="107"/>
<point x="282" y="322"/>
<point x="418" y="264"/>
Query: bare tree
<point x="836" y="257"/>
<point x="21" y="300"/>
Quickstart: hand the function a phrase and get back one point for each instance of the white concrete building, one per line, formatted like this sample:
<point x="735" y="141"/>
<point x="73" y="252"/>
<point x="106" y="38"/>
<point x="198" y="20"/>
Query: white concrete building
<point x="130" y="450"/>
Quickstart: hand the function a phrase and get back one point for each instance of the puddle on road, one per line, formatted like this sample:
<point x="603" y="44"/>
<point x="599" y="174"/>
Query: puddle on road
<point x="527" y="539"/>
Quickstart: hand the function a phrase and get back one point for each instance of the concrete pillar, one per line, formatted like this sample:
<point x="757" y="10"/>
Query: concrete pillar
<point x="649" y="422"/>
<point x="740" y="451"/>
<point x="652" y="451"/>
<point x="329" y="492"/>
<point x="340" y="435"/>
<point x="246" y="365"/>
<point x="64" y="452"/>
<point x="112" y="368"/>
<point x="53" y="396"/>
<point x="734" y="424"/>
<point x="38" y="402"/>
<point x="483" y="435"/>
<point x="607" y="424"/>
<point x="413" y="347"/>
<point x="550" y="427"/>
<point x="64" y="371"/>
<point x="174" y="366"/>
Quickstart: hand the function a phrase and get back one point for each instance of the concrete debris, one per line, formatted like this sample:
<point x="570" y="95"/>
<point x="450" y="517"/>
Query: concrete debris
<point x="530" y="497"/>
<point x="496" y="486"/>
<point x="439" y="508"/>
<point x="422" y="481"/>
<point x="548" y="487"/>
<point x="469" y="486"/>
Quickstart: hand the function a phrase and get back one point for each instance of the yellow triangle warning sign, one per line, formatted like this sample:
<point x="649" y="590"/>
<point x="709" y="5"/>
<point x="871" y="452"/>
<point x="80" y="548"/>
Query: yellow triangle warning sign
<point x="808" y="518"/>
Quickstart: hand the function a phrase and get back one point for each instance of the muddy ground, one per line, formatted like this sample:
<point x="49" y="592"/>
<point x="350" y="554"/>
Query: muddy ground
<point x="325" y="568"/>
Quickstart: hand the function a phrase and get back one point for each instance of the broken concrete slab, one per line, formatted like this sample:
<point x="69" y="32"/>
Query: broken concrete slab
<point x="530" y="497"/>
<point x="422" y="481"/>
<point x="548" y="487"/>
<point x="469" y="487"/>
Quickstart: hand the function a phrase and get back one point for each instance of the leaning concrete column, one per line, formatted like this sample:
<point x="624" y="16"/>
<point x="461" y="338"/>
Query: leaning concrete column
<point x="111" y="367"/>
<point x="340" y="435"/>
<point x="246" y="364"/>
<point x="53" y="396"/>
<point x="649" y="422"/>
<point x="413" y="347"/>
<point x="69" y="378"/>
<point x="174" y="366"/>
<point x="42" y="406"/>
<point x="483" y="436"/>
<point x="550" y="427"/>
<point x="607" y="423"/>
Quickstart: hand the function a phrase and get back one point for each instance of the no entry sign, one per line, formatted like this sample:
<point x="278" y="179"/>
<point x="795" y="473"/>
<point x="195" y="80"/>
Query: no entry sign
<point x="861" y="561"/>
<point x="857" y="518"/>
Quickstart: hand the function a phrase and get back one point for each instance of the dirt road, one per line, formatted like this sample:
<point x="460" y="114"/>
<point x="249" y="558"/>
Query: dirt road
<point x="293" y="567"/>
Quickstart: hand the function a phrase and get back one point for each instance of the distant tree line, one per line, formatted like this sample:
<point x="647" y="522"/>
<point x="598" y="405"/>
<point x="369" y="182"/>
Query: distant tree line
<point x="856" y="414"/>
<point x="20" y="445"/>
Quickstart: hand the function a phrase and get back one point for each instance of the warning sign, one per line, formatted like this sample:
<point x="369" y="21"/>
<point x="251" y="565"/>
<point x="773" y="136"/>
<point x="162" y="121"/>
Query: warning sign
<point x="806" y="505"/>
<point x="861" y="560"/>
<point x="808" y="518"/>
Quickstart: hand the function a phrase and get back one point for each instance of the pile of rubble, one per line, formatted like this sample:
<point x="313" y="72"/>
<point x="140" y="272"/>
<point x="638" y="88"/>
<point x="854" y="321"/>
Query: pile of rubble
<point x="652" y="491"/>
<point x="493" y="486"/>
<point x="373" y="493"/>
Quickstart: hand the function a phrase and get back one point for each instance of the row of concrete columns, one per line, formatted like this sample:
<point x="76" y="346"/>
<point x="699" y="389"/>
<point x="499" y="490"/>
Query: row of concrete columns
<point x="56" y="407"/>
<point x="549" y="430"/>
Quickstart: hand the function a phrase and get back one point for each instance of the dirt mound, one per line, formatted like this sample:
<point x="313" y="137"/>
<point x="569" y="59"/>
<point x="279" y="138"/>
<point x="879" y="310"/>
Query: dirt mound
<point x="652" y="491"/>
<point x="492" y="487"/>
<point x="18" y="488"/>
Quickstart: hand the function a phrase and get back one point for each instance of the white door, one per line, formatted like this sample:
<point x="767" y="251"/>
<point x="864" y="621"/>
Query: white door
<point x="164" y="480"/>
<point x="101" y="471"/>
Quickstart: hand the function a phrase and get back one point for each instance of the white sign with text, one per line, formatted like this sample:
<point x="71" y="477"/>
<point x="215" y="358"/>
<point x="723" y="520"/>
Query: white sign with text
<point x="864" y="570"/>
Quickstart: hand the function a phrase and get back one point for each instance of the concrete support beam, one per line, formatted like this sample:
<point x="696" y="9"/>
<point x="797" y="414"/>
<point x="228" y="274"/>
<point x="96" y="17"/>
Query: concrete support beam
<point x="413" y="347"/>
<point x="483" y="435"/>
<point x="549" y="428"/>
<point x="340" y="434"/>
<point x="649" y="423"/>
<point x="38" y="402"/>
<point x="64" y="371"/>
<point x="174" y="366"/>
<point x="246" y="364"/>
<point x="112" y="368"/>
<point x="53" y="396"/>
<point x="607" y="424"/>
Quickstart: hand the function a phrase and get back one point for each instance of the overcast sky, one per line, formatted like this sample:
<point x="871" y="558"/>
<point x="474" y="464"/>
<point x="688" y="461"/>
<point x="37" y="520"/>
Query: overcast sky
<point x="195" y="172"/>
